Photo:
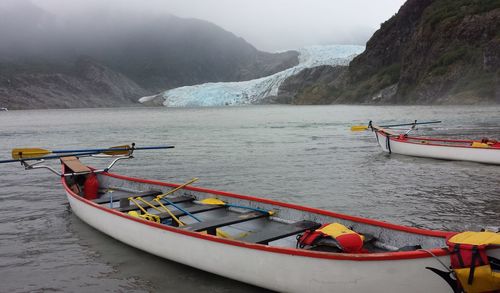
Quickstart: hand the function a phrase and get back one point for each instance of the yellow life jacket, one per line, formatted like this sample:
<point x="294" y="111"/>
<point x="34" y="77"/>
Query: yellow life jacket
<point x="470" y="262"/>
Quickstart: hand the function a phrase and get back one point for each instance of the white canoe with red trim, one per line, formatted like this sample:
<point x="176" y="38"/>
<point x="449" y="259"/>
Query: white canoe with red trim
<point x="264" y="253"/>
<point x="445" y="149"/>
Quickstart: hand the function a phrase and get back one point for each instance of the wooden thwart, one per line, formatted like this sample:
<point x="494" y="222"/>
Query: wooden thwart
<point x="122" y="194"/>
<point x="280" y="231"/>
<point x="211" y="225"/>
<point x="74" y="164"/>
<point x="195" y="209"/>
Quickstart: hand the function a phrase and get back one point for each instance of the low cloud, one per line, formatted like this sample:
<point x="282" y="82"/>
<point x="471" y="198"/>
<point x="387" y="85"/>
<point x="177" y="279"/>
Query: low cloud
<point x="267" y="24"/>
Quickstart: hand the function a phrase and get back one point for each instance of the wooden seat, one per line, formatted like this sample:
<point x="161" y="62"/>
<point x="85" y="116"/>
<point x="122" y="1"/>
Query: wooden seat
<point x="126" y="195"/>
<point x="280" y="231"/>
<point x="195" y="209"/>
<point x="179" y="199"/>
<point x="74" y="164"/>
<point x="211" y="225"/>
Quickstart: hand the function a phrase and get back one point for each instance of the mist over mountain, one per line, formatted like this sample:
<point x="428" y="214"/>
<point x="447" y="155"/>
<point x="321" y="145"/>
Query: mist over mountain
<point x="46" y="57"/>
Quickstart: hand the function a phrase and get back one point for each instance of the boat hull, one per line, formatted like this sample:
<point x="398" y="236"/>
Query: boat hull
<point x="275" y="271"/>
<point x="284" y="270"/>
<point x="444" y="152"/>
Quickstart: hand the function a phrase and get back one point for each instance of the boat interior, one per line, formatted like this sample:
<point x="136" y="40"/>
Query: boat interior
<point x="239" y="218"/>
<point x="483" y="143"/>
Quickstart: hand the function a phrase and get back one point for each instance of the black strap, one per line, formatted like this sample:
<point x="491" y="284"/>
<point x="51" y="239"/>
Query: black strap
<point x="481" y="262"/>
<point x="456" y="249"/>
<point x="475" y="254"/>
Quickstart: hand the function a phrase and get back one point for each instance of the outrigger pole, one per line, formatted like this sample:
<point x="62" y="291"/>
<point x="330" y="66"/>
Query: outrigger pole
<point x="50" y="157"/>
<point x="408" y="124"/>
<point x="37" y="154"/>
<point x="366" y="127"/>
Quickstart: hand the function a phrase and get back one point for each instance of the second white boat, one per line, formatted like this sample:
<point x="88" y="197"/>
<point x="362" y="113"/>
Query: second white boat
<point x="485" y="151"/>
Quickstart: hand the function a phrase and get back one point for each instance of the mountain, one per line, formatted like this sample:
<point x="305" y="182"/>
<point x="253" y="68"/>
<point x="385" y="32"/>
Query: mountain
<point x="306" y="87"/>
<point x="256" y="91"/>
<point x="430" y="52"/>
<point x="111" y="58"/>
<point x="84" y="84"/>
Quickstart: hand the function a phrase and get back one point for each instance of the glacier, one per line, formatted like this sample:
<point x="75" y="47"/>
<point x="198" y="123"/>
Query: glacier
<point x="252" y="91"/>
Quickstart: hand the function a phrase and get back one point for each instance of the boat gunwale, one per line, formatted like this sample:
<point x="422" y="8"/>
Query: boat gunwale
<point x="397" y="139"/>
<point x="398" y="255"/>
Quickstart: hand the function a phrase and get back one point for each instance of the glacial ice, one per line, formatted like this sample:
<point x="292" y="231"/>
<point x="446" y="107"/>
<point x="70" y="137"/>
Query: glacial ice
<point x="252" y="91"/>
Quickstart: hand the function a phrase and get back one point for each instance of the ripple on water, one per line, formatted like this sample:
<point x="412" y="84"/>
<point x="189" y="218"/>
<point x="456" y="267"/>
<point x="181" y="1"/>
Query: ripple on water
<point x="303" y="155"/>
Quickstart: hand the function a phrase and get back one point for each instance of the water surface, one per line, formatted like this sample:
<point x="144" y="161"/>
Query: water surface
<point x="304" y="155"/>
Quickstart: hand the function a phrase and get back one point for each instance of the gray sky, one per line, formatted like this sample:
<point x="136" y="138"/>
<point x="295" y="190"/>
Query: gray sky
<point x="267" y="24"/>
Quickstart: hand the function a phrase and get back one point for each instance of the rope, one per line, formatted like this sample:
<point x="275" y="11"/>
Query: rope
<point x="165" y="209"/>
<point x="436" y="258"/>
<point x="147" y="215"/>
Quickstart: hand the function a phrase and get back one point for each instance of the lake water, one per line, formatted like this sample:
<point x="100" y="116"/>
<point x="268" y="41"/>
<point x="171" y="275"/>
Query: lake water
<point x="300" y="154"/>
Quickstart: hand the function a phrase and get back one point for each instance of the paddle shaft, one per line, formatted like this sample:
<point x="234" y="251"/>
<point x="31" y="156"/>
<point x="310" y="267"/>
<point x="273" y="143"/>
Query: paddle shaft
<point x="162" y="197"/>
<point x="180" y="209"/>
<point x="113" y="149"/>
<point x="177" y="188"/>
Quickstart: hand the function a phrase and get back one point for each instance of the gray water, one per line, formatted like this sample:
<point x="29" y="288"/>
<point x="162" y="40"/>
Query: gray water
<point x="305" y="155"/>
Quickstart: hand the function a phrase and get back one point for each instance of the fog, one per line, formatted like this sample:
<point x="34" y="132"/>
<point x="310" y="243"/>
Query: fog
<point x="269" y="25"/>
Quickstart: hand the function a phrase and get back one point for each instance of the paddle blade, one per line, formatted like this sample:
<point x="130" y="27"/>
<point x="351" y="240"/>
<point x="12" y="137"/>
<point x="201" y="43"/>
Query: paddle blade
<point x="214" y="201"/>
<point x="121" y="150"/>
<point x="359" y="128"/>
<point x="25" y="153"/>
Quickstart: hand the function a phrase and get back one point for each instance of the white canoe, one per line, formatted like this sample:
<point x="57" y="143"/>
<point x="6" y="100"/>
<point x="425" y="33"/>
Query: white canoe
<point x="267" y="255"/>
<point x="445" y="149"/>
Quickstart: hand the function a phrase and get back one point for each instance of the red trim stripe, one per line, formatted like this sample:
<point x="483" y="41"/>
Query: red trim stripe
<point x="283" y="250"/>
